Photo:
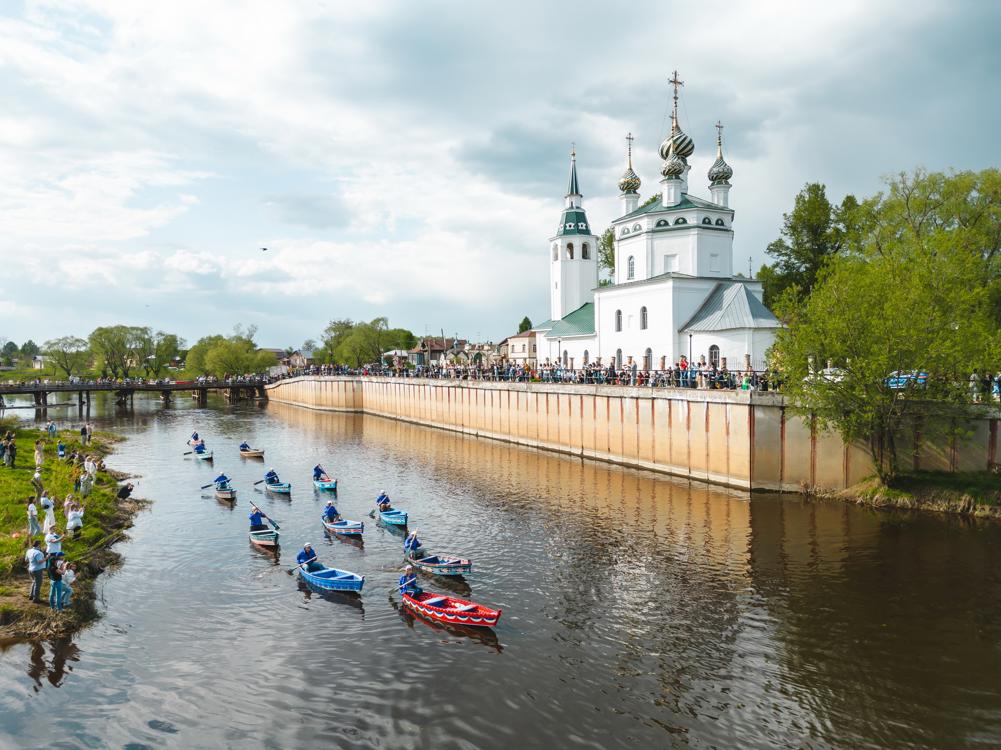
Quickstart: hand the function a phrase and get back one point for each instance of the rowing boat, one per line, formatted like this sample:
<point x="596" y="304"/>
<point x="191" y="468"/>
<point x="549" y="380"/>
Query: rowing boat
<point x="441" y="565"/>
<point x="325" y="484"/>
<point x="225" y="492"/>
<point x="264" y="537"/>
<point x="332" y="579"/>
<point x="279" y="488"/>
<point x="451" y="610"/>
<point x="206" y="456"/>
<point x="253" y="453"/>
<point x="394" y="517"/>
<point x="351" y="528"/>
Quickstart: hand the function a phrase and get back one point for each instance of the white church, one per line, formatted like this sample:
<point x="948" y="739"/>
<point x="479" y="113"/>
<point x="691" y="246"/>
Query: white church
<point x="673" y="293"/>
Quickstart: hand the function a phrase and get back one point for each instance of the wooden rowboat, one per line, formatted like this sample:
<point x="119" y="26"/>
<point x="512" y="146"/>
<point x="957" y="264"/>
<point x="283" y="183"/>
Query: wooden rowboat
<point x="225" y="492"/>
<point x="332" y="579"/>
<point x="441" y="565"/>
<point x="264" y="538"/>
<point x="393" y="517"/>
<point x="281" y="488"/>
<point x="253" y="453"/>
<point x="349" y="528"/>
<point x="325" y="484"/>
<point x="451" y="610"/>
<point x="206" y="456"/>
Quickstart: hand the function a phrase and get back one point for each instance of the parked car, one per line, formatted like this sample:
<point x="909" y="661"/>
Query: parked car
<point x="898" y="379"/>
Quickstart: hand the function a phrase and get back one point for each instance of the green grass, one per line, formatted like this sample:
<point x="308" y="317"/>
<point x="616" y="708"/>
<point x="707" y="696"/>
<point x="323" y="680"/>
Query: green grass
<point x="981" y="485"/>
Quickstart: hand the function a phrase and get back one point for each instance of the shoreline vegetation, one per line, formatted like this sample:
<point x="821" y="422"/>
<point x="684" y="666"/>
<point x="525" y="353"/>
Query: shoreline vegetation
<point x="105" y="521"/>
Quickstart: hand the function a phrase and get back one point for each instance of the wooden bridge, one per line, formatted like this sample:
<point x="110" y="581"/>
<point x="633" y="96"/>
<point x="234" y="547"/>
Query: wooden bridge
<point x="233" y="390"/>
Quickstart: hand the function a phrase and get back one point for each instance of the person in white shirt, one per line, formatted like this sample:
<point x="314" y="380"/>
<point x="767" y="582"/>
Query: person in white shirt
<point x="69" y="576"/>
<point x="36" y="566"/>
<point x="53" y="543"/>
<point x="33" y="527"/>
<point x="50" y="513"/>
<point x="74" y="519"/>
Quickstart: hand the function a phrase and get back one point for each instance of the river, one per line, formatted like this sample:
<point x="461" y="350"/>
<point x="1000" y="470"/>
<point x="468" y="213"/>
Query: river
<point x="639" y="611"/>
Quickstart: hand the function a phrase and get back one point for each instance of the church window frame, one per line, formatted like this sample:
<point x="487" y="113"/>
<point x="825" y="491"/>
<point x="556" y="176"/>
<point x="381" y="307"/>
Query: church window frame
<point x="618" y="321"/>
<point x="569" y="251"/>
<point x="582" y="225"/>
<point x="637" y="228"/>
<point x="585" y="251"/>
<point x="648" y="359"/>
<point x="720" y="223"/>
<point x="587" y="358"/>
<point x="714" y="263"/>
<point x="707" y="220"/>
<point x="618" y="359"/>
<point x="566" y="358"/>
<point x="631" y="268"/>
<point x="644" y="318"/>
<point x="625" y="231"/>
<point x="663" y="223"/>
<point x="680" y="220"/>
<point x="714" y="356"/>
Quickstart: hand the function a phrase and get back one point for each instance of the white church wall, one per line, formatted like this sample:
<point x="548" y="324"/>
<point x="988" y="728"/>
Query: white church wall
<point x="630" y="245"/>
<point x="715" y="254"/>
<point x="632" y="339"/>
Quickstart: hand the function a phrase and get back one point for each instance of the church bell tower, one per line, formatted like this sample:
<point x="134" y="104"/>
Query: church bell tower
<point x="573" y="252"/>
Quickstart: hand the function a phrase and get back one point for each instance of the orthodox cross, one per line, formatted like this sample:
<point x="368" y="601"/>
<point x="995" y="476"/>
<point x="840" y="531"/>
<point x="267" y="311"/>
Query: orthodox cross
<point x="719" y="131"/>
<point x="677" y="83"/>
<point x="629" y="147"/>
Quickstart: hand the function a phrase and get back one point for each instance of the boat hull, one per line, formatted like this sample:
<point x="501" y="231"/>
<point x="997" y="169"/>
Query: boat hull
<point x="344" y="527"/>
<point x="448" y="611"/>
<point x="284" y="488"/>
<point x="252" y="454"/>
<point x="229" y="495"/>
<point x="393" y="517"/>
<point x="265" y="538"/>
<point x="206" y="456"/>
<point x="321" y="484"/>
<point x="446" y="565"/>
<point x="331" y="579"/>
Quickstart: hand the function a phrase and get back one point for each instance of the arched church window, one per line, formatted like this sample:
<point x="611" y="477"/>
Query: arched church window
<point x="618" y="358"/>
<point x="618" y="320"/>
<point x="556" y="251"/>
<point x="681" y="220"/>
<point x="707" y="220"/>
<point x="637" y="228"/>
<point x="714" y="355"/>
<point x="587" y="358"/>
<point x="625" y="231"/>
<point x="566" y="358"/>
<point x="663" y="223"/>
<point x="648" y="359"/>
<point x="585" y="252"/>
<point x="719" y="223"/>
<point x="643" y="319"/>
<point x="569" y="251"/>
<point x="631" y="267"/>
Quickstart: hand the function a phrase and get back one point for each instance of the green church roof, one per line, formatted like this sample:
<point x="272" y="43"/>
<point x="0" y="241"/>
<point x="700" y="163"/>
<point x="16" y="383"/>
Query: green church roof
<point x="574" y="221"/>
<point x="687" y="202"/>
<point x="578" y="323"/>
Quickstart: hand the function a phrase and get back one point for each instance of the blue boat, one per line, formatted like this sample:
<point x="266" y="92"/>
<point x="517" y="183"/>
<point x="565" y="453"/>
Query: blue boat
<point x="281" y="488"/>
<point x="325" y="484"/>
<point x="348" y="528"/>
<point x="394" y="517"/>
<point x="332" y="579"/>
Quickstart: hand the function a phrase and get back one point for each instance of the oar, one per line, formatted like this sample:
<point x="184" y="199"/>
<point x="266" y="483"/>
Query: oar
<point x="187" y="453"/>
<point x="290" y="570"/>
<point x="207" y="486"/>
<point x="258" y="482"/>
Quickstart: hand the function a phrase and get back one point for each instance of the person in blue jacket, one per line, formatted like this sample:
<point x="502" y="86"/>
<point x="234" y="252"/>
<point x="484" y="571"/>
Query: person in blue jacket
<point x="408" y="582"/>
<point x="194" y="437"/>
<point x="318" y="472"/>
<point x="272" y="477"/>
<point x="412" y="545"/>
<point x="244" y="446"/>
<point x="221" y="482"/>
<point x="257" y="519"/>
<point x="200" y="446"/>
<point x="60" y="449"/>
<point x="383" y="501"/>
<point x="307" y="558"/>
<point x="330" y="513"/>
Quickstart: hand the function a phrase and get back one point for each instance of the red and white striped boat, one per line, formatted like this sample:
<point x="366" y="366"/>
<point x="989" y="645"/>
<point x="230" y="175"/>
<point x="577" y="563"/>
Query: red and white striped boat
<point x="450" y="610"/>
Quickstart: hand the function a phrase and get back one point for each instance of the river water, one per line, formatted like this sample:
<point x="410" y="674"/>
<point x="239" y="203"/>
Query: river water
<point x="639" y="611"/>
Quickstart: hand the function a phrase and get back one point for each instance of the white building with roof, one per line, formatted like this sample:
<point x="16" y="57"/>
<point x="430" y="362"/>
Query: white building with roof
<point x="673" y="292"/>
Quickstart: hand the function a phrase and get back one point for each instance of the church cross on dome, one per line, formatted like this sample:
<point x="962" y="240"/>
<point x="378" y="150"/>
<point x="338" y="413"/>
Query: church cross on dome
<point x="677" y="83"/>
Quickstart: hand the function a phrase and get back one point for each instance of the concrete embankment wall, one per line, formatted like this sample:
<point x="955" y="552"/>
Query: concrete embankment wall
<point x="739" y="439"/>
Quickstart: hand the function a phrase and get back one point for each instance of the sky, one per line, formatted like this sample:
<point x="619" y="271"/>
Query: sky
<point x="410" y="159"/>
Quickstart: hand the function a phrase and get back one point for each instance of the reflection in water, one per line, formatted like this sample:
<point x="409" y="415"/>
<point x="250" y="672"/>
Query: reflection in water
<point x="639" y="611"/>
<point x="51" y="667"/>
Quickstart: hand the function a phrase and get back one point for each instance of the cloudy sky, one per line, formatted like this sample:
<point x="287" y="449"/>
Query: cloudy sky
<point x="409" y="159"/>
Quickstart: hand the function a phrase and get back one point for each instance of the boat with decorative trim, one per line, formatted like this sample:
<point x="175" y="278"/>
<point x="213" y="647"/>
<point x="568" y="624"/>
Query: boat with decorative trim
<point x="450" y="610"/>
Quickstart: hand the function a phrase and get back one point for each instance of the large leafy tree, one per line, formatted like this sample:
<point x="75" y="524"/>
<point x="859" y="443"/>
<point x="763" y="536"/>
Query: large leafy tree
<point x="912" y="291"/>
<point x="355" y="344"/>
<point x="69" y="353"/>
<point x="525" y="325"/>
<point x="29" y="349"/>
<point x="119" y="349"/>
<point x="811" y="234"/>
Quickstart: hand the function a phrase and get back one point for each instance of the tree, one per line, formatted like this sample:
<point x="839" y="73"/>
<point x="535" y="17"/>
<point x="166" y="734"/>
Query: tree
<point x="157" y="350"/>
<point x="606" y="251"/>
<point x="195" y="360"/>
<point x="29" y="348"/>
<point x="69" y="353"/>
<point x="357" y="344"/>
<point x="812" y="233"/>
<point x="911" y="293"/>
<point x="8" y="353"/>
<point x="119" y="349"/>
<point x="525" y="325"/>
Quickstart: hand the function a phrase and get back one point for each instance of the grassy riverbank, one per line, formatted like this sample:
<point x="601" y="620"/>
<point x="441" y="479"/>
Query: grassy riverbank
<point x="105" y="519"/>
<point x="976" y="494"/>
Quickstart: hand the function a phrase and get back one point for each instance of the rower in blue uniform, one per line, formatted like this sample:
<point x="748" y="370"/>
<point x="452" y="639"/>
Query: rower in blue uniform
<point x="244" y="446"/>
<point x="200" y="446"/>
<point x="221" y="482"/>
<point x="307" y="558"/>
<point x="319" y="473"/>
<point x="330" y="514"/>
<point x="383" y="501"/>
<point x="272" y="477"/>
<point x="408" y="582"/>
<point x="412" y="545"/>
<point x="194" y="438"/>
<point x="257" y="519"/>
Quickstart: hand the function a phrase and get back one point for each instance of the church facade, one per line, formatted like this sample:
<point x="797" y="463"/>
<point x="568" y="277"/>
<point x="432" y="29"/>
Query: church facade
<point x="673" y="292"/>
